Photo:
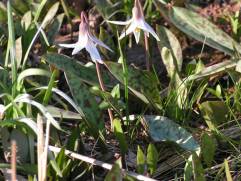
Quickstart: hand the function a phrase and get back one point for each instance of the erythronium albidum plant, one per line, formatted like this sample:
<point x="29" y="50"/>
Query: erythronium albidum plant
<point x="86" y="40"/>
<point x="89" y="42"/>
<point x="136" y="23"/>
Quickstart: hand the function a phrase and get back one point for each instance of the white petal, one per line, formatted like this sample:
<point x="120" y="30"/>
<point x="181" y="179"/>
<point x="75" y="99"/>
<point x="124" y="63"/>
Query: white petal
<point x="68" y="45"/>
<point x="120" y="22"/>
<point x="98" y="42"/>
<point x="77" y="48"/>
<point x="137" y="36"/>
<point x="94" y="53"/>
<point x="146" y="27"/>
<point x="129" y="30"/>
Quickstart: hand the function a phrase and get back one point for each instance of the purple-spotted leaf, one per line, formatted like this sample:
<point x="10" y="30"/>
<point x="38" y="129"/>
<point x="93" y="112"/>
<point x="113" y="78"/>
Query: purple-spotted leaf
<point x="86" y="102"/>
<point x="141" y="83"/>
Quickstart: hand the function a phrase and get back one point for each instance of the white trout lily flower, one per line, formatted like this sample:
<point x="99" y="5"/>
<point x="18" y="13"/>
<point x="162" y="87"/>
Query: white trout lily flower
<point x="136" y="23"/>
<point x="86" y="40"/>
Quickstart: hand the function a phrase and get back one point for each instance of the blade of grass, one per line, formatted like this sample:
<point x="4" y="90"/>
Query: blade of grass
<point x="12" y="47"/>
<point x="40" y="8"/>
<point x="227" y="171"/>
<point x="50" y="86"/>
<point x="30" y="46"/>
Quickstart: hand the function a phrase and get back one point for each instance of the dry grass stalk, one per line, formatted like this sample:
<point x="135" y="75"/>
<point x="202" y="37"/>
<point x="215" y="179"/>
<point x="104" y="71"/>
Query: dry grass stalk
<point x="42" y="148"/>
<point x="98" y="163"/>
<point x="13" y="160"/>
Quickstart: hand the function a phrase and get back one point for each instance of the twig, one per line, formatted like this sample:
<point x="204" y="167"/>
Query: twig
<point x="102" y="86"/>
<point x="99" y="163"/>
<point x="13" y="160"/>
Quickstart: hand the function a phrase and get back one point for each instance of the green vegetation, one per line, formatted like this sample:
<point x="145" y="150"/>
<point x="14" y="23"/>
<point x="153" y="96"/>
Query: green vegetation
<point x="158" y="98"/>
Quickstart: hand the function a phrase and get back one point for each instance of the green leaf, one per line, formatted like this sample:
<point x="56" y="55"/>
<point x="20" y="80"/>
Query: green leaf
<point x="163" y="129"/>
<point x="119" y="134"/>
<point x="197" y="168"/>
<point x="169" y="41"/>
<point x="54" y="28"/>
<point x="56" y="168"/>
<point x="26" y="20"/>
<point x="208" y="148"/>
<point x="3" y="13"/>
<point x="238" y="67"/>
<point x="32" y="72"/>
<point x="141" y="83"/>
<point x="11" y="48"/>
<point x="50" y="15"/>
<point x="214" y="113"/>
<point x="227" y="171"/>
<point x="69" y="65"/>
<point x="108" y="100"/>
<point x="86" y="102"/>
<point x="140" y="161"/>
<point x="199" y="28"/>
<point x="177" y="85"/>
<point x="104" y="7"/>
<point x="152" y="158"/>
<point x="20" y="5"/>
<point x="61" y="113"/>
<point x="213" y="70"/>
<point x="115" y="174"/>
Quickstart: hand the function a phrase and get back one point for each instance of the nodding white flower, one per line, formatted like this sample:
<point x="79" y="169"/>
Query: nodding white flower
<point x="86" y="40"/>
<point x="136" y="23"/>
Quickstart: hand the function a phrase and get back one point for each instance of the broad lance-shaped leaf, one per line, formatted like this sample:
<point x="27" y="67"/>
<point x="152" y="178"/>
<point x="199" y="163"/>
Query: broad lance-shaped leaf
<point x="168" y="40"/>
<point x="141" y="83"/>
<point x="86" y="102"/>
<point x="163" y="129"/>
<point x="199" y="28"/>
<point x="214" y="69"/>
<point x="69" y="65"/>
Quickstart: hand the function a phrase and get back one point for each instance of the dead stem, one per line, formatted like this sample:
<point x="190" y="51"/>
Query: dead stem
<point x="102" y="86"/>
<point x="13" y="160"/>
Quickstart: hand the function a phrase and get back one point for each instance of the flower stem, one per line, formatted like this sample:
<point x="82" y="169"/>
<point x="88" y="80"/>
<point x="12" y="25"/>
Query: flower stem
<point x="102" y="86"/>
<point x="148" y="57"/>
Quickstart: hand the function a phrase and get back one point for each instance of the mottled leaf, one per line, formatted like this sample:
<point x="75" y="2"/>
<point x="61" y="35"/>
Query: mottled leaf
<point x="199" y="28"/>
<point x="163" y="129"/>
<point x="69" y="65"/>
<point x="169" y="41"/>
<point x="86" y="102"/>
<point x="141" y="83"/>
